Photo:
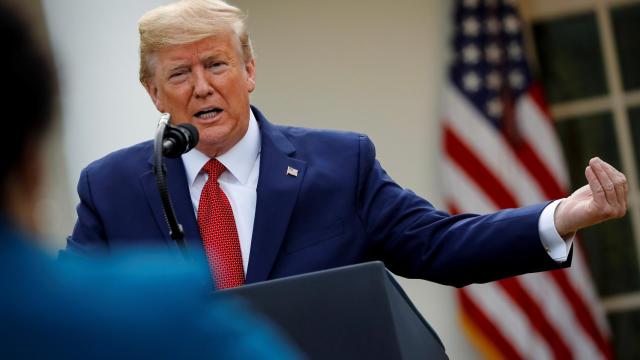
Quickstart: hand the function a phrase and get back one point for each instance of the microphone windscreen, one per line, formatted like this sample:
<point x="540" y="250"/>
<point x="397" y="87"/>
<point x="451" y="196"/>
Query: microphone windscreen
<point x="193" y="137"/>
<point x="178" y="140"/>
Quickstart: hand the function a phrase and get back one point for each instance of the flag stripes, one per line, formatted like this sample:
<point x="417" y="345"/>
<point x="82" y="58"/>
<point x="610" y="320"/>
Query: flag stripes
<point x="477" y="171"/>
<point x="536" y="318"/>
<point x="582" y="313"/>
<point x="478" y="190"/>
<point x="500" y="151"/>
<point x="489" y="329"/>
<point x="561" y="315"/>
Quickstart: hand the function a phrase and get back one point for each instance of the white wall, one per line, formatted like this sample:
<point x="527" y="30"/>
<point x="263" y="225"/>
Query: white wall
<point x="371" y="66"/>
<point x="104" y="107"/>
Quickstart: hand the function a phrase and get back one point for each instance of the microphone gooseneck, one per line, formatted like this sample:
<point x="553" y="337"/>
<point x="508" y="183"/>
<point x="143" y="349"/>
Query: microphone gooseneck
<point x="171" y="141"/>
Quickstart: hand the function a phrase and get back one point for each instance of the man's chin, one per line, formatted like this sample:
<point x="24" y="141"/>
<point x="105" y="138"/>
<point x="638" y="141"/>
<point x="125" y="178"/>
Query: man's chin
<point x="213" y="146"/>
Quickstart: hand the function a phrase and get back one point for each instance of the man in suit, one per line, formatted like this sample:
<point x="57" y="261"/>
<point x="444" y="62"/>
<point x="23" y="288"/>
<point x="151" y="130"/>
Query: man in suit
<point x="260" y="201"/>
<point x="131" y="307"/>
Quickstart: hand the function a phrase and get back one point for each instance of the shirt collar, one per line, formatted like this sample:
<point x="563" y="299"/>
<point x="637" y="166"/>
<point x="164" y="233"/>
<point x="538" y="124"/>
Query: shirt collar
<point x="239" y="160"/>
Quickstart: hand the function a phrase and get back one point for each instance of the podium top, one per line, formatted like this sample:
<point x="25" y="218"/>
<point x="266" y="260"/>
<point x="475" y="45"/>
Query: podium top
<point x="356" y="311"/>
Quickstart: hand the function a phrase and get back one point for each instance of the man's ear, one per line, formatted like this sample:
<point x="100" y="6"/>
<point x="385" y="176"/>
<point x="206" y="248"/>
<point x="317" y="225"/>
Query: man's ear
<point x="250" y="69"/>
<point x="153" y="90"/>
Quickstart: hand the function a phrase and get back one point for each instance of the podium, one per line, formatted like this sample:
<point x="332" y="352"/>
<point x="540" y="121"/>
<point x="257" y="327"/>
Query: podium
<point x="352" y="312"/>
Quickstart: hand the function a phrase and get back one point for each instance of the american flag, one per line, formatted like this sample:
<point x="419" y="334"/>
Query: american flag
<point x="500" y="151"/>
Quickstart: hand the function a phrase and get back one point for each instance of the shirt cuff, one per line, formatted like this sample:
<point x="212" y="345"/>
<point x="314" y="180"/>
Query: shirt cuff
<point x="557" y="247"/>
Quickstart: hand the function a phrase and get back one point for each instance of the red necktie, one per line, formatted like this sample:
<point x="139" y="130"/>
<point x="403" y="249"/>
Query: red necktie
<point x="218" y="231"/>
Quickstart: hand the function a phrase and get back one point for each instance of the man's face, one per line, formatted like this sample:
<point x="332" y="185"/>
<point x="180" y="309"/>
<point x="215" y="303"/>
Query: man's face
<point x="206" y="84"/>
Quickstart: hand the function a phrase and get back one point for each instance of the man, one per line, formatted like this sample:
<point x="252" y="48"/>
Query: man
<point x="260" y="201"/>
<point x="140" y="309"/>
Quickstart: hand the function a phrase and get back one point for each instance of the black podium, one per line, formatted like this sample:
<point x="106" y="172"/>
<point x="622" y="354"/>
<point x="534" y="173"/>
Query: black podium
<point x="353" y="312"/>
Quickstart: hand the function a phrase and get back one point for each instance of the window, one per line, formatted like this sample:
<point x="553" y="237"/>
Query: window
<point x="587" y="55"/>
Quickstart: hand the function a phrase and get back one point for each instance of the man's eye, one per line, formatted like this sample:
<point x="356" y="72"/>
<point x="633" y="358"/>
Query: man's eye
<point x="176" y="74"/>
<point x="216" y="65"/>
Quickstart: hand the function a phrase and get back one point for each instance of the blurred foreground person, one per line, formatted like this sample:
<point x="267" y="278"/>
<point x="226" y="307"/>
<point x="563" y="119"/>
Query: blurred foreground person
<point x="139" y="309"/>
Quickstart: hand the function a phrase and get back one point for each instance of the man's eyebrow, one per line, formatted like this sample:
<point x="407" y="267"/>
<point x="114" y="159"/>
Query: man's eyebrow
<point x="178" y="66"/>
<point x="213" y="56"/>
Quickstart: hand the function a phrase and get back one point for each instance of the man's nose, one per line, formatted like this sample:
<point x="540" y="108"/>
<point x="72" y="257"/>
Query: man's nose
<point x="202" y="87"/>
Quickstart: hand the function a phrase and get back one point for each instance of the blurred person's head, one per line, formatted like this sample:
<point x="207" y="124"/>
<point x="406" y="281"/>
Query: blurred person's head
<point x="196" y="63"/>
<point x="26" y="101"/>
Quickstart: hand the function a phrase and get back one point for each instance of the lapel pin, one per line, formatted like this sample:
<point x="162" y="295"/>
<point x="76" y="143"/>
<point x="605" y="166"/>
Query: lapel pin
<point x="291" y="171"/>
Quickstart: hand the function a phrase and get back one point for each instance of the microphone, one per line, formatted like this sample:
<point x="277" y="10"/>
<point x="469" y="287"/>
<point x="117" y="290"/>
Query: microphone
<point x="178" y="140"/>
<point x="171" y="141"/>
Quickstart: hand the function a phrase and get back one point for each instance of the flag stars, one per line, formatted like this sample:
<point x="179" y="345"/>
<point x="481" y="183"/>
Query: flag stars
<point x="494" y="108"/>
<point x="471" y="26"/>
<point x="471" y="54"/>
<point x="493" y="53"/>
<point x="471" y="81"/>
<point x="515" y="51"/>
<point x="511" y="24"/>
<point x="494" y="80"/>
<point x="490" y="60"/>
<point x="516" y="79"/>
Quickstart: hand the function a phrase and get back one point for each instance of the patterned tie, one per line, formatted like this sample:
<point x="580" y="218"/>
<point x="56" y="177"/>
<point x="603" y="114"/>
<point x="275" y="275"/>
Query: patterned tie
<point x="218" y="231"/>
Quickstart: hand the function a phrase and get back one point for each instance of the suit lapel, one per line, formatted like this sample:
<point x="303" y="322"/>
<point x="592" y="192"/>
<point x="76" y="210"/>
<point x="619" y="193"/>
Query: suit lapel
<point x="181" y="199"/>
<point x="277" y="193"/>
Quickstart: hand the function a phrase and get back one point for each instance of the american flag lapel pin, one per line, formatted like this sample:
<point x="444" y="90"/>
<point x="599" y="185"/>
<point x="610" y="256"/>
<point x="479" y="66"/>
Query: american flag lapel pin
<point x="291" y="171"/>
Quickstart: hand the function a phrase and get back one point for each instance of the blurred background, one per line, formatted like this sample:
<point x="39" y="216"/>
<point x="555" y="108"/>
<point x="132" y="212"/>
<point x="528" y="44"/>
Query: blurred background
<point x="379" y="68"/>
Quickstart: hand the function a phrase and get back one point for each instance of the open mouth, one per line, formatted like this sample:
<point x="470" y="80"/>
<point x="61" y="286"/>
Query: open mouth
<point x="209" y="113"/>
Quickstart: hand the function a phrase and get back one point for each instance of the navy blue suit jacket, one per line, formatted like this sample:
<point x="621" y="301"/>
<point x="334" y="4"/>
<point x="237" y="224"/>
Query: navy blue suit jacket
<point x="341" y="208"/>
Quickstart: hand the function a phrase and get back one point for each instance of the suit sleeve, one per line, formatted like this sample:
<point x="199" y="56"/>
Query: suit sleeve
<point x="88" y="237"/>
<point x="418" y="241"/>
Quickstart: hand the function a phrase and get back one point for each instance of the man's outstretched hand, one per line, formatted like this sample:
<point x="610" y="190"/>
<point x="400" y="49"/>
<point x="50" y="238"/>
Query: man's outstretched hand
<point x="604" y="198"/>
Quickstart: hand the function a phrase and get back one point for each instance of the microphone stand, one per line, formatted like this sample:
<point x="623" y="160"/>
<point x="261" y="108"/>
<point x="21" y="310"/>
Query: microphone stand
<point x="160" y="171"/>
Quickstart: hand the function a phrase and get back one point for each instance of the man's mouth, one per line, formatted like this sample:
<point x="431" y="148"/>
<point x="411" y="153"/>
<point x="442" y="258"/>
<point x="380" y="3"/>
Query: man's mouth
<point x="208" y="113"/>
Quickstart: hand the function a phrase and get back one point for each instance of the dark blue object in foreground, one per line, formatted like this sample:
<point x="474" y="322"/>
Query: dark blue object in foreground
<point x="129" y="307"/>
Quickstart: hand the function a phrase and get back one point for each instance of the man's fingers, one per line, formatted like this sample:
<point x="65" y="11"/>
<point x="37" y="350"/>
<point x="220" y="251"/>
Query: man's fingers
<point x="596" y="187"/>
<point x="619" y="182"/>
<point x="621" y="187"/>
<point x="606" y="184"/>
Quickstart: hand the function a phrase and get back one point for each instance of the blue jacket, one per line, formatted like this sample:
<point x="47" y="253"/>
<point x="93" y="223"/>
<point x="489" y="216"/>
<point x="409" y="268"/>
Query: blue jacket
<point x="342" y="208"/>
<point x="130" y="308"/>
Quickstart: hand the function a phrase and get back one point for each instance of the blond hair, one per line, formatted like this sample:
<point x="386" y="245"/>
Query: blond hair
<point x="187" y="21"/>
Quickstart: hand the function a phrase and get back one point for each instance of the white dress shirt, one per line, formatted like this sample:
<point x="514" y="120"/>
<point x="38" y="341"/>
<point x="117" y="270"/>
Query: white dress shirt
<point x="557" y="247"/>
<point x="240" y="182"/>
